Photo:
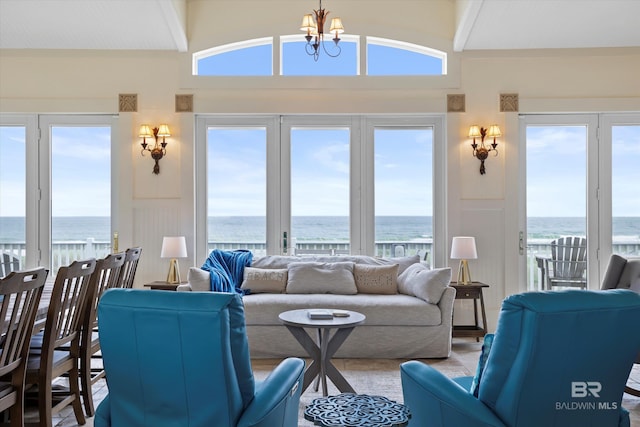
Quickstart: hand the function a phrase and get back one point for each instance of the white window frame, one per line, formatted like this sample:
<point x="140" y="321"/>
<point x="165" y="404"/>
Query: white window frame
<point x="361" y="209"/>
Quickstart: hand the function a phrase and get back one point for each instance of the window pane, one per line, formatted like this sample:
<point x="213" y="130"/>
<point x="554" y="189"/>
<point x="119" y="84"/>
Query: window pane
<point x="80" y="193"/>
<point x="556" y="189"/>
<point x="625" y="194"/>
<point x="249" y="61"/>
<point x="12" y="195"/>
<point x="320" y="189"/>
<point x="296" y="61"/>
<point x="389" y="61"/>
<point x="236" y="182"/>
<point x="403" y="191"/>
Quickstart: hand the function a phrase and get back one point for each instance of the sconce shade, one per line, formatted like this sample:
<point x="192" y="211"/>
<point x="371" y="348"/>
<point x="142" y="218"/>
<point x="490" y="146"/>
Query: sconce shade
<point x="145" y="131"/>
<point x="163" y="130"/>
<point x="463" y="248"/>
<point x="174" y="247"/>
<point x="474" y="131"/>
<point x="336" y="26"/>
<point x="494" y="131"/>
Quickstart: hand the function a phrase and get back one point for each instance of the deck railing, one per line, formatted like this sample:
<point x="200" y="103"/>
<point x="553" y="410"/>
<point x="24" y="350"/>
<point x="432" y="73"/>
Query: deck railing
<point x="63" y="253"/>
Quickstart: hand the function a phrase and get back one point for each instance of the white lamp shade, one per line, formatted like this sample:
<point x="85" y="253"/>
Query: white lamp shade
<point x="174" y="247"/>
<point x="163" y="130"/>
<point x="336" y="26"/>
<point x="464" y="248"/>
<point x="145" y="131"/>
<point x="474" y="132"/>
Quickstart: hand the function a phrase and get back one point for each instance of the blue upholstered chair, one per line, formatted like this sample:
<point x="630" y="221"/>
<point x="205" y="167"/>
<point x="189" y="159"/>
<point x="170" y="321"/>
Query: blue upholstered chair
<point x="182" y="359"/>
<point x="557" y="359"/>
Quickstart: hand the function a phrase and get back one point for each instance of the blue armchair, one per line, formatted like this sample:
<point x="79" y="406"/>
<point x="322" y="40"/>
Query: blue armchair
<point x="557" y="359"/>
<point x="182" y="359"/>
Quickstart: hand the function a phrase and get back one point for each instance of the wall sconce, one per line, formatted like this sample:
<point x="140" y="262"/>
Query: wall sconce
<point x="482" y="152"/>
<point x="159" y="150"/>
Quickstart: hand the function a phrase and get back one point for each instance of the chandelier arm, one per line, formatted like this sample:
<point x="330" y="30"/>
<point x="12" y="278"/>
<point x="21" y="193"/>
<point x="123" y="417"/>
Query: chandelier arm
<point x="324" y="47"/>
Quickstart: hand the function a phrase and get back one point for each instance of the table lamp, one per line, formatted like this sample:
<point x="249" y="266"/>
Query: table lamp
<point x="174" y="247"/>
<point x="464" y="248"/>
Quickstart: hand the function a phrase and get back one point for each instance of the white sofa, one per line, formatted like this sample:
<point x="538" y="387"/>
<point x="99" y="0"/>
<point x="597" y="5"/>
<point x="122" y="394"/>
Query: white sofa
<point x="408" y="307"/>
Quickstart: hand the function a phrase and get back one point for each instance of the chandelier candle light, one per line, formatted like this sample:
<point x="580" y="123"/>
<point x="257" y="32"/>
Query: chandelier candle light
<point x="174" y="247"/>
<point x="159" y="149"/>
<point x="314" y="27"/>
<point x="464" y="248"/>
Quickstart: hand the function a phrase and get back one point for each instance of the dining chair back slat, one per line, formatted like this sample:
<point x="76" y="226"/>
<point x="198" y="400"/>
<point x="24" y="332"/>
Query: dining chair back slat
<point x="58" y="354"/>
<point x="128" y="271"/>
<point x="20" y="292"/>
<point x="105" y="276"/>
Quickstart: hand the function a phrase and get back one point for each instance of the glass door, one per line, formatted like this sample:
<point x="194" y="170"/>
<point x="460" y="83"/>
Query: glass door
<point x="75" y="176"/>
<point x="561" y="210"/>
<point x="316" y="182"/>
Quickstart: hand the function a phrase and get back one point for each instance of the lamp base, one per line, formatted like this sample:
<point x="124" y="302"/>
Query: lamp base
<point x="174" y="272"/>
<point x="464" y="275"/>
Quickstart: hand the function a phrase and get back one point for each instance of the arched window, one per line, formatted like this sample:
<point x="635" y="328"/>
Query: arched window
<point x="395" y="58"/>
<point x="384" y="57"/>
<point x="246" y="58"/>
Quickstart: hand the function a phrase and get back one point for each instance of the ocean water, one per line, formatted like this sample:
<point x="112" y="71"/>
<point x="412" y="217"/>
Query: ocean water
<point x="313" y="228"/>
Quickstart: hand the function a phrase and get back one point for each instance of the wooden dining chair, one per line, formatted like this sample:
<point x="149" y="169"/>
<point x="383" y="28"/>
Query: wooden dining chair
<point x="128" y="270"/>
<point x="20" y="292"/>
<point x="59" y="350"/>
<point x="105" y="276"/>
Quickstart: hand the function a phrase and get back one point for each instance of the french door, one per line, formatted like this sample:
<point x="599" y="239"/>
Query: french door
<point x="56" y="188"/>
<point x="318" y="184"/>
<point x="578" y="175"/>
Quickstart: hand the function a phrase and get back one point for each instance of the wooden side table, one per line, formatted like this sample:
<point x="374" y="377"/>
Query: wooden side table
<point x="161" y="285"/>
<point x="474" y="292"/>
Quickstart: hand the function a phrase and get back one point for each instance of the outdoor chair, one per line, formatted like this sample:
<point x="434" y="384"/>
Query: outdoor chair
<point x="557" y="359"/>
<point x="20" y="293"/>
<point x="567" y="266"/>
<point x="8" y="263"/>
<point x="191" y="365"/>
<point x="55" y="350"/>
<point x="624" y="273"/>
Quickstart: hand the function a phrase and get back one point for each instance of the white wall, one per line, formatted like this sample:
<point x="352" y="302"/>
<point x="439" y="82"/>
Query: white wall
<point x="484" y="206"/>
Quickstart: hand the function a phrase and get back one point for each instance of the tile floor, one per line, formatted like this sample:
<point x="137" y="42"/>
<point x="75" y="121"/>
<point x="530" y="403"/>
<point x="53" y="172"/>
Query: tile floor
<point x="367" y="376"/>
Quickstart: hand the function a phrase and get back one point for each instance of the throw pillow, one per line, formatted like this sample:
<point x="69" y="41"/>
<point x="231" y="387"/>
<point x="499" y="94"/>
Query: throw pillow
<point x="482" y="362"/>
<point x="257" y="280"/>
<point x="199" y="280"/>
<point x="321" y="278"/>
<point x="376" y="279"/>
<point x="420" y="281"/>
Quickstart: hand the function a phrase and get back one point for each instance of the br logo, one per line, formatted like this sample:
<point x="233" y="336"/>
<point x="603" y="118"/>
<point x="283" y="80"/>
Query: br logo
<point x="584" y="389"/>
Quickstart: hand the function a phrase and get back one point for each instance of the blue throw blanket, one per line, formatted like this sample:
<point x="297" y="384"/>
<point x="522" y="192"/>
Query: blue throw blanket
<point x="226" y="269"/>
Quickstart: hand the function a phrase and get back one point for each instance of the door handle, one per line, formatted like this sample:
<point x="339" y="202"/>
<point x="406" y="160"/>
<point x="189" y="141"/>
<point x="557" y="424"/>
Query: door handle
<point x="284" y="243"/>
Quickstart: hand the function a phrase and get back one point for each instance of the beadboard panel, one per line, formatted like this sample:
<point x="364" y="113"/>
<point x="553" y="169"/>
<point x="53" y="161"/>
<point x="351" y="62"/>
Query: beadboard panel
<point x="150" y="225"/>
<point x="487" y="226"/>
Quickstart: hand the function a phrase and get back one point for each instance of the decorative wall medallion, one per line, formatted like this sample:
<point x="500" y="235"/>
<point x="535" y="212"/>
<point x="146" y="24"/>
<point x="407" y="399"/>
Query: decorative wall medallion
<point x="509" y="103"/>
<point x="184" y="103"/>
<point x="128" y="102"/>
<point x="455" y="103"/>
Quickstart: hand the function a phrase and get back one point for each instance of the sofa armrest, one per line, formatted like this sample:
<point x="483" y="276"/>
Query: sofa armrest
<point x="433" y="398"/>
<point x="276" y="400"/>
<point x="446" y="305"/>
<point x="184" y="288"/>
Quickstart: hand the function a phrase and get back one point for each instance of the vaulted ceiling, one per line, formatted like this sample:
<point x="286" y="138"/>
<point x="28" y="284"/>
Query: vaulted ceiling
<point x="161" y="24"/>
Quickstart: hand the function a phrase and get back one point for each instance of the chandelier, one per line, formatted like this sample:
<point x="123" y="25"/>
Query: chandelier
<point x="315" y="33"/>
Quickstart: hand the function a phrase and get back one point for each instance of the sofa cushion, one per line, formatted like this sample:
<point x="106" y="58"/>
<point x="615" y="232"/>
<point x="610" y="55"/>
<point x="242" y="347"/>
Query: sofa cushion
<point x="264" y="280"/>
<point x="321" y="278"/>
<point x="283" y="261"/>
<point x="376" y="279"/>
<point x="381" y="310"/>
<point x="199" y="280"/>
<point x="420" y="281"/>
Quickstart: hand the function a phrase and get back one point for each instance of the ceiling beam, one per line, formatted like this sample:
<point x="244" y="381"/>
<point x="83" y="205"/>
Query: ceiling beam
<point x="466" y="22"/>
